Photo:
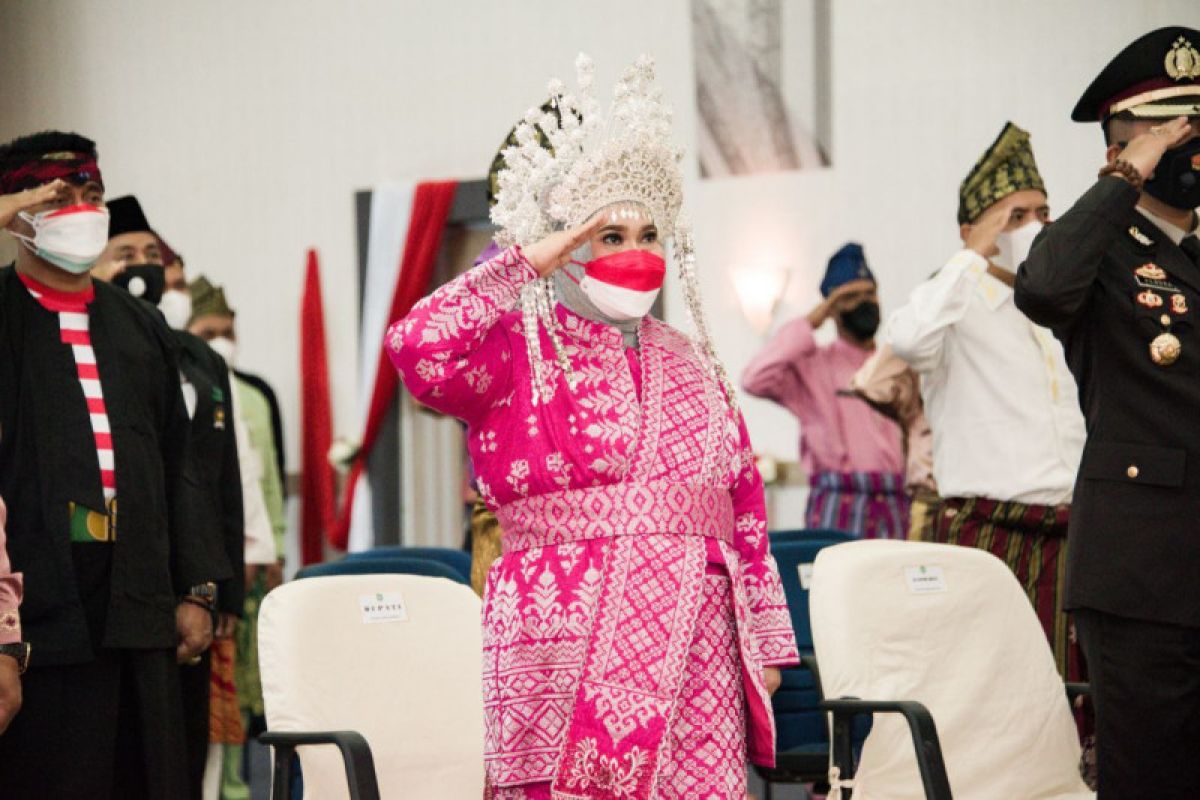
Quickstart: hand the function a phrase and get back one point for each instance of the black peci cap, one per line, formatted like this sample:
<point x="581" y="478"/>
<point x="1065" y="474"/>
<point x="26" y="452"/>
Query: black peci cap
<point x="125" y="216"/>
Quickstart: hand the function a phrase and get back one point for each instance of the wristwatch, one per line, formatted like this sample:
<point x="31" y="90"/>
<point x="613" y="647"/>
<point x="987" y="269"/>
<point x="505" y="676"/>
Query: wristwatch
<point x="19" y="651"/>
<point x="204" y="591"/>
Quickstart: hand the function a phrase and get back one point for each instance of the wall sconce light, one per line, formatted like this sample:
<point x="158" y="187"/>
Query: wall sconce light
<point x="759" y="289"/>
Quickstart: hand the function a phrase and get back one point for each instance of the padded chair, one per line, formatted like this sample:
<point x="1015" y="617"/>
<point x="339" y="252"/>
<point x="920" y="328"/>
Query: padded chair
<point x="940" y="644"/>
<point x="458" y="560"/>
<point x="801" y="731"/>
<point x="385" y="667"/>
<point x="382" y="565"/>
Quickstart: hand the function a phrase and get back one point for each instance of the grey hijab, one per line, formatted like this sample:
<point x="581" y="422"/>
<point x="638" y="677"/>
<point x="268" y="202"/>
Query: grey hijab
<point x="573" y="297"/>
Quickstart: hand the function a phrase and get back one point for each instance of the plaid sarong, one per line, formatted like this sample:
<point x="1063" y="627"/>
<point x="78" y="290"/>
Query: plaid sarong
<point x="1032" y="541"/>
<point x="870" y="505"/>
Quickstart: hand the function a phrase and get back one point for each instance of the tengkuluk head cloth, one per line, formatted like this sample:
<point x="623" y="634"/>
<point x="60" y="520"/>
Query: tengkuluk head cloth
<point x="1155" y="77"/>
<point x="624" y="162"/>
<point x="33" y="160"/>
<point x="846" y="265"/>
<point x="1006" y="167"/>
<point x="207" y="300"/>
<point x="125" y="215"/>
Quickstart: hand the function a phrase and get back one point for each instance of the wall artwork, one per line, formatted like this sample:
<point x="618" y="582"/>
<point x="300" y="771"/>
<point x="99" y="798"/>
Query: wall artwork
<point x="762" y="85"/>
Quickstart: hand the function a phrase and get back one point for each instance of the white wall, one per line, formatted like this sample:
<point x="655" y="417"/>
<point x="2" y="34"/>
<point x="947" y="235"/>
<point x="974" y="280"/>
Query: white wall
<point x="245" y="128"/>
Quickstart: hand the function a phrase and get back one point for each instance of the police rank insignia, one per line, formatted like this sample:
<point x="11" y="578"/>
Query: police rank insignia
<point x="1151" y="272"/>
<point x="1136" y="233"/>
<point x="1182" y="60"/>
<point x="1179" y="304"/>
<point x="1149" y="299"/>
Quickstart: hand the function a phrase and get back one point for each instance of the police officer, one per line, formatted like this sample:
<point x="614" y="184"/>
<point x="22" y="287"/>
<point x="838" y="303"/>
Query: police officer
<point x="1117" y="278"/>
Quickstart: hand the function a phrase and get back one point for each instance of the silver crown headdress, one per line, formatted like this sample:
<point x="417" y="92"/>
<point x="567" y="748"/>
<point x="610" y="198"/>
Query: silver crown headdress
<point x="585" y="161"/>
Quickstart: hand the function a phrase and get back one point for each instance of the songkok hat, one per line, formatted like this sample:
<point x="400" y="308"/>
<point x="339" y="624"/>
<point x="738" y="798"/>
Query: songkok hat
<point x="125" y="215"/>
<point x="1006" y="167"/>
<point x="1156" y="77"/>
<point x="39" y="158"/>
<point x="846" y="265"/>
<point x="207" y="300"/>
<point x="169" y="254"/>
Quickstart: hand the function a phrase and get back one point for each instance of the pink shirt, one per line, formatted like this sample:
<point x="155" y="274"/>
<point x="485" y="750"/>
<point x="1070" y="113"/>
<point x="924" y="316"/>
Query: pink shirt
<point x="838" y="431"/>
<point x="10" y="591"/>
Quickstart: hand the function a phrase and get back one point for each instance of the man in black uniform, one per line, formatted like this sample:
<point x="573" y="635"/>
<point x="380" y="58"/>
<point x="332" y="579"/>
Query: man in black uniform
<point x="101" y="504"/>
<point x="1117" y="278"/>
<point x="133" y="260"/>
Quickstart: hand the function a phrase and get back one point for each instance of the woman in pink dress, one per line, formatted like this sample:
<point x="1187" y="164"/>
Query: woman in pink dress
<point x="635" y="625"/>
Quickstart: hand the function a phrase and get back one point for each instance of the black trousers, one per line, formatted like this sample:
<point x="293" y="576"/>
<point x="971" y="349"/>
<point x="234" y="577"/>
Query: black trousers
<point x="1145" y="680"/>
<point x="194" y="687"/>
<point x="107" y="730"/>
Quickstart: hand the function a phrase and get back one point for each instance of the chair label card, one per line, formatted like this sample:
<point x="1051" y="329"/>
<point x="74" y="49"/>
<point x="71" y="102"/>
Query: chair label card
<point x="925" y="580"/>
<point x="805" y="571"/>
<point x="383" y="607"/>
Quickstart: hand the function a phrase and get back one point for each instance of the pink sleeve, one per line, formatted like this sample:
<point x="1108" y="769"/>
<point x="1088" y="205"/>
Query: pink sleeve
<point x="770" y="622"/>
<point x="449" y="351"/>
<point x="778" y="371"/>
<point x="10" y="591"/>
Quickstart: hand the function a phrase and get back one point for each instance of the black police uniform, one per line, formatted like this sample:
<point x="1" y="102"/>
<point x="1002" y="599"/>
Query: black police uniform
<point x="215" y="457"/>
<point x="1124" y="299"/>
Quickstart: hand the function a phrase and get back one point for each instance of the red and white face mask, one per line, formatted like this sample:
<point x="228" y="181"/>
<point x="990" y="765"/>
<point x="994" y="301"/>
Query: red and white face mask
<point x="624" y="285"/>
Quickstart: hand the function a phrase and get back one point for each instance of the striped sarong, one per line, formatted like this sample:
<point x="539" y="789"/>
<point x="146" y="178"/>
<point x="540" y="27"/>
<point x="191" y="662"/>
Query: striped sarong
<point x="870" y="505"/>
<point x="1032" y="540"/>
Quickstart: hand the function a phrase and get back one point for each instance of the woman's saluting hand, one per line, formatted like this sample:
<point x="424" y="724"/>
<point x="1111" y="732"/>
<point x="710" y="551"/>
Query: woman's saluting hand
<point x="555" y="250"/>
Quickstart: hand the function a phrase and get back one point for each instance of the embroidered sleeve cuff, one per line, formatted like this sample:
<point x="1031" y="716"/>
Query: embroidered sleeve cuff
<point x="503" y="278"/>
<point x="969" y="264"/>
<point x="778" y="649"/>
<point x="10" y="626"/>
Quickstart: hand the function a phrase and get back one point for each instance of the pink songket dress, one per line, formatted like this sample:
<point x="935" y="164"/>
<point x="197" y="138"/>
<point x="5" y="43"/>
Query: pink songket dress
<point x="627" y="624"/>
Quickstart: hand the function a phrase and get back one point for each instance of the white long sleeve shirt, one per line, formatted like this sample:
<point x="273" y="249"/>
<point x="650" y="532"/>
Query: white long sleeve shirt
<point x="1003" y="407"/>
<point x="260" y="539"/>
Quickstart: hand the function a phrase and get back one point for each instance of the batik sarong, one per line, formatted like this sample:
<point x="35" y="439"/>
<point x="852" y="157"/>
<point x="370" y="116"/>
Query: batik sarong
<point x="870" y="505"/>
<point x="1032" y="541"/>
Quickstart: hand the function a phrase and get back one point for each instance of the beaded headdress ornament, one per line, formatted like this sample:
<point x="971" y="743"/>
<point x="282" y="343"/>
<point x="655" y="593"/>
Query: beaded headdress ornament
<point x="584" y="161"/>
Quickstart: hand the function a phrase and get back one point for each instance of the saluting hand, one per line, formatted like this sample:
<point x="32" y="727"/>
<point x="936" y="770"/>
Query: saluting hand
<point x="555" y="250"/>
<point x="13" y="204"/>
<point x="1145" y="150"/>
<point x="987" y="229"/>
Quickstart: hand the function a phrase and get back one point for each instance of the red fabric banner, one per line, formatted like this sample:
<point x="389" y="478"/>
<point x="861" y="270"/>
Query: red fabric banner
<point x="430" y="210"/>
<point x="317" y="505"/>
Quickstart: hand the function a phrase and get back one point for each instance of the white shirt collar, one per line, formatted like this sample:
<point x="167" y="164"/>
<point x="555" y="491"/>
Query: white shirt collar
<point x="1173" y="231"/>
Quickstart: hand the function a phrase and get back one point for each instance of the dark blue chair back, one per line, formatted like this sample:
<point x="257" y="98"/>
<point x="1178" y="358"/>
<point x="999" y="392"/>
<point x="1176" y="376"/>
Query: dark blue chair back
<point x="799" y="722"/>
<point x="383" y="565"/>
<point x="457" y="560"/>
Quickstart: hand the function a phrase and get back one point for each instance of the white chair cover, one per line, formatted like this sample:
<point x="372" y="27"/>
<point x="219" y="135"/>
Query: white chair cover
<point x="950" y="627"/>
<point x="410" y="685"/>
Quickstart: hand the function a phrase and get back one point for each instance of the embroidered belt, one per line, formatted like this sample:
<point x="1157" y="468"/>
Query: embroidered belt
<point x="87" y="525"/>
<point x="620" y="509"/>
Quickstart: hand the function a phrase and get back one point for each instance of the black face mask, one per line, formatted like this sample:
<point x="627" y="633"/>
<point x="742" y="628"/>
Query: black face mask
<point x="1176" y="180"/>
<point x="147" y="281"/>
<point x="862" y="321"/>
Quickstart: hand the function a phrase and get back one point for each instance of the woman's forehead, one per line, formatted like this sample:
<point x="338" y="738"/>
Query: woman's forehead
<point x="626" y="214"/>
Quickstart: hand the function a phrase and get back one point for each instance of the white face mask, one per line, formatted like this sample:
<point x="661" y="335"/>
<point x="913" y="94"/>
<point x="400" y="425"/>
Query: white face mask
<point x="226" y="348"/>
<point x="617" y="302"/>
<point x="70" y="238"/>
<point x="176" y="306"/>
<point x="1015" y="245"/>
